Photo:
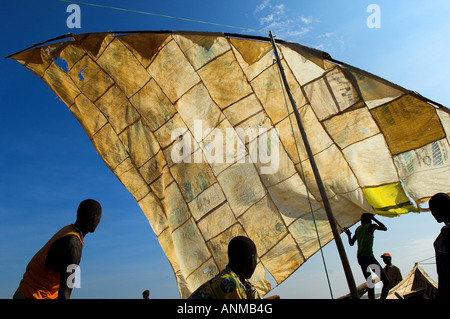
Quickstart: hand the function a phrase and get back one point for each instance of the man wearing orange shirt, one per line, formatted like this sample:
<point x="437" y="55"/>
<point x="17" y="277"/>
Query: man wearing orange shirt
<point x="47" y="274"/>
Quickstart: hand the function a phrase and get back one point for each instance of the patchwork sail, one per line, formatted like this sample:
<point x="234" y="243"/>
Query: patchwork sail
<point x="197" y="128"/>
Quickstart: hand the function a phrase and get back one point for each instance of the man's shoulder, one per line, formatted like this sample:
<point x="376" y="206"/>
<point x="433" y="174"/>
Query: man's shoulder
<point x="68" y="241"/>
<point x="64" y="251"/>
<point x="395" y="267"/>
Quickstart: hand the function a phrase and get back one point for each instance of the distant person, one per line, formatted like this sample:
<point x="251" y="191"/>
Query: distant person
<point x="440" y="208"/>
<point x="47" y="273"/>
<point x="392" y="272"/>
<point x="364" y="236"/>
<point x="232" y="282"/>
<point x="146" y="294"/>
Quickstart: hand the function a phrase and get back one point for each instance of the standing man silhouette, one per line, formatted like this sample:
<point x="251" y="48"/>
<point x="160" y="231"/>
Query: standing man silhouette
<point x="392" y="272"/>
<point x="47" y="273"/>
<point x="440" y="208"/>
<point x="364" y="236"/>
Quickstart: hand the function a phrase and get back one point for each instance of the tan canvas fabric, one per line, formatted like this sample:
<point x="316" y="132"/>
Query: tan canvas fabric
<point x="196" y="126"/>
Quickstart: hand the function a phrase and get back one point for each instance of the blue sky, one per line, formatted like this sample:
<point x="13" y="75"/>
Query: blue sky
<point x="49" y="165"/>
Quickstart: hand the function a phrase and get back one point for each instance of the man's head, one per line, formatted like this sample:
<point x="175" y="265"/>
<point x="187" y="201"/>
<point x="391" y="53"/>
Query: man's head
<point x="89" y="214"/>
<point x="366" y="218"/>
<point x="242" y="256"/>
<point x="387" y="258"/>
<point x="440" y="207"/>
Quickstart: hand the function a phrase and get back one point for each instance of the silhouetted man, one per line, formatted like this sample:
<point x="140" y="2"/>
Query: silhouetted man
<point x="440" y="208"/>
<point x="48" y="271"/>
<point x="232" y="282"/>
<point x="392" y="272"/>
<point x="366" y="259"/>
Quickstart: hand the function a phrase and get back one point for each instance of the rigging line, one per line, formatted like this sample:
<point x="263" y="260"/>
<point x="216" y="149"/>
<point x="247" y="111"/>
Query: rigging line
<point x="307" y="191"/>
<point x="160" y="15"/>
<point x="426" y="259"/>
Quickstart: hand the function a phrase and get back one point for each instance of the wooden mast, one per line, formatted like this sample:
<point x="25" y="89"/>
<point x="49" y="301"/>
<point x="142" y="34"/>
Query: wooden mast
<point x="326" y="203"/>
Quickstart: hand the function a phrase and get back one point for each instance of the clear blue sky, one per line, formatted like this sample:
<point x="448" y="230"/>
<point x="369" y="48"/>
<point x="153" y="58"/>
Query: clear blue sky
<point x="49" y="165"/>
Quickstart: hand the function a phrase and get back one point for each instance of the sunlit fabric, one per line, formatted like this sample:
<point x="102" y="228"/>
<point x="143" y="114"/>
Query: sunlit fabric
<point x="195" y="125"/>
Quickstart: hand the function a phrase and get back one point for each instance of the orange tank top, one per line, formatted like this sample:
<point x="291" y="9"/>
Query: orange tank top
<point x="38" y="282"/>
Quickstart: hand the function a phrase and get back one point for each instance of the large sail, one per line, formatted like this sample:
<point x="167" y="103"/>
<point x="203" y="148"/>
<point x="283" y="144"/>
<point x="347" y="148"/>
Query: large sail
<point x="196" y="126"/>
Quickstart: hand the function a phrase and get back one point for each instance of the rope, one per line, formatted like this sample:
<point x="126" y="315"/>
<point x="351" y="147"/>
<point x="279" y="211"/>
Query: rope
<point x="428" y="263"/>
<point x="160" y="15"/>
<point x="307" y="191"/>
<point x="425" y="259"/>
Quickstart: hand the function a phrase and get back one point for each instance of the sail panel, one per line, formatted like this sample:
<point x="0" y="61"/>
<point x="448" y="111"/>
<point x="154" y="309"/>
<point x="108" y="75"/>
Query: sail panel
<point x="195" y="126"/>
